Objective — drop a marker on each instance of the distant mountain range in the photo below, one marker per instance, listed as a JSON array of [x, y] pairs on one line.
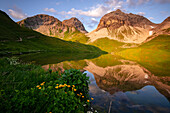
[[116, 25], [15, 39]]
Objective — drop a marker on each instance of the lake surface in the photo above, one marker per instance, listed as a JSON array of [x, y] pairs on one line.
[[117, 85]]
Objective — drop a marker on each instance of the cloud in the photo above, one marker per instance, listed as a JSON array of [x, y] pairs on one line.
[[97, 11], [134, 3], [141, 13], [151, 18], [17, 13], [52, 10], [57, 3], [115, 4], [92, 23], [140, 2], [101, 9], [94, 20], [162, 1]]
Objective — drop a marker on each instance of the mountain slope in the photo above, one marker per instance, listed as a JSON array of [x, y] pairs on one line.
[[51, 26], [108, 45], [153, 54], [74, 22], [163, 26], [15, 39], [161, 29], [128, 28]]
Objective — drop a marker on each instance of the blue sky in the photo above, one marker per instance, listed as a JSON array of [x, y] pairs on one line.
[[89, 12]]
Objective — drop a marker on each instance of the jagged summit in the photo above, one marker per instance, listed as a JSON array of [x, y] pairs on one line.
[[52, 26], [76, 23], [118, 18], [118, 10], [164, 25], [123, 27], [36, 21]]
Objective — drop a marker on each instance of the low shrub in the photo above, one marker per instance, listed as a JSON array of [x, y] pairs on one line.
[[63, 93]]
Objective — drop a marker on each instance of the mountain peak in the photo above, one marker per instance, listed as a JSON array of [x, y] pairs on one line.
[[118, 10], [73, 18], [123, 27], [167, 19], [75, 23], [118, 18]]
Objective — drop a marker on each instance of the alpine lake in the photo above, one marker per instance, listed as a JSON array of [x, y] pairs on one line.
[[117, 84]]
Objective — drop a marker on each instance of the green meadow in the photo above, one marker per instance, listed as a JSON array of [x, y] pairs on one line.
[[16, 40], [153, 55]]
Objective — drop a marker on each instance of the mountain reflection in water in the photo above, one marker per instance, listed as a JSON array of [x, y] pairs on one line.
[[120, 85], [129, 100]]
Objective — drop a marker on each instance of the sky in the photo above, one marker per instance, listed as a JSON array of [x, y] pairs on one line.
[[89, 12]]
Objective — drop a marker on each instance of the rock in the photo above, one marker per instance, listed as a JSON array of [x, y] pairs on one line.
[[51, 26], [74, 22], [123, 27]]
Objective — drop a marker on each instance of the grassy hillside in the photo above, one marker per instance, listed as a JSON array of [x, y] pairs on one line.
[[76, 36], [15, 39], [107, 44], [153, 55]]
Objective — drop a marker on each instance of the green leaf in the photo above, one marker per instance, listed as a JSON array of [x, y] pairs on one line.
[[79, 81]]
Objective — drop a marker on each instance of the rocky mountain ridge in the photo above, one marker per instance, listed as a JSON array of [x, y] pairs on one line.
[[116, 19], [116, 25], [51, 26], [127, 28], [74, 22]]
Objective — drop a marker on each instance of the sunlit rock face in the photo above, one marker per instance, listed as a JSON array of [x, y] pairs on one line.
[[162, 29], [128, 28], [51, 26], [116, 19], [74, 22]]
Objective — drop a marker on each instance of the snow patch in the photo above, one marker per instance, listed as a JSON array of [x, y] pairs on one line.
[[146, 76], [152, 27], [150, 33]]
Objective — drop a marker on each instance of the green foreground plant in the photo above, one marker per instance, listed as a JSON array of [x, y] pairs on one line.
[[28, 88]]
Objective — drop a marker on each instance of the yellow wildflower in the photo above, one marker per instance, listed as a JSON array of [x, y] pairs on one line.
[[56, 87], [92, 98], [42, 84], [65, 92], [78, 95], [75, 89], [82, 96], [73, 85], [57, 84], [68, 86], [39, 88], [88, 100]]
